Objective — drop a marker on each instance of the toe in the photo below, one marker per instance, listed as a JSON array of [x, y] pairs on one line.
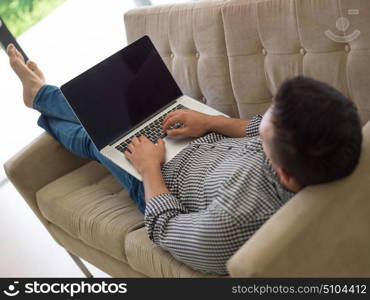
[[32, 65], [26, 74], [11, 50], [19, 55], [34, 68], [14, 53], [14, 59], [20, 68]]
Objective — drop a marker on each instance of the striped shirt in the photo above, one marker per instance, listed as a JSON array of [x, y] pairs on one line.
[[221, 191]]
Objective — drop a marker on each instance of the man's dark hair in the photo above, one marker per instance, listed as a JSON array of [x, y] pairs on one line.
[[316, 131]]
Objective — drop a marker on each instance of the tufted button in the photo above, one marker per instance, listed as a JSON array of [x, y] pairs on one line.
[[229, 148], [347, 48], [302, 51], [197, 54], [264, 52], [172, 55]]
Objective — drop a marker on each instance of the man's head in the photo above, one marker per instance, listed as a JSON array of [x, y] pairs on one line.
[[311, 134]]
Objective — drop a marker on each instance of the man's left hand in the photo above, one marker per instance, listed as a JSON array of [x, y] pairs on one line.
[[144, 154]]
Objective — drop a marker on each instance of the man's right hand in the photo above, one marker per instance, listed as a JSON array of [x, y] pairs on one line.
[[194, 124]]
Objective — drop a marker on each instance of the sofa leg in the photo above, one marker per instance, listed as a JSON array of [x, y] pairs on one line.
[[81, 265], [3, 181]]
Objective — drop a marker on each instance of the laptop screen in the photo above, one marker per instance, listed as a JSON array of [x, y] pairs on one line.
[[123, 90]]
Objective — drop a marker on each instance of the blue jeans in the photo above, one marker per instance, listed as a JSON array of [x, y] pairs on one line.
[[59, 120]]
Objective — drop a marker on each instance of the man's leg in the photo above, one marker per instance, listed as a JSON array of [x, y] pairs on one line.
[[58, 119], [50, 102], [74, 138]]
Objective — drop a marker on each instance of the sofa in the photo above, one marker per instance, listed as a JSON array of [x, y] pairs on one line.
[[231, 55]]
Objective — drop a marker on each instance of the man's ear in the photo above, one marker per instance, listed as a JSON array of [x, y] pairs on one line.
[[284, 176], [287, 180]]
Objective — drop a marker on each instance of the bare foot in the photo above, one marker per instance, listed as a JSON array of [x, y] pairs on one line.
[[30, 75], [33, 66]]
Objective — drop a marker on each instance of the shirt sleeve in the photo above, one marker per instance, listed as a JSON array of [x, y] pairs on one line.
[[209, 138], [252, 128], [204, 240]]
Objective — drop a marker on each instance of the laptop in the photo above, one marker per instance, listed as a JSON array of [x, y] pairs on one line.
[[126, 95]]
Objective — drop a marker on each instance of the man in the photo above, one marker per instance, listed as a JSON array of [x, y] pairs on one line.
[[208, 200]]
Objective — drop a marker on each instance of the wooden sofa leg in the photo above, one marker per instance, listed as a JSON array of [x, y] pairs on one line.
[[81, 265]]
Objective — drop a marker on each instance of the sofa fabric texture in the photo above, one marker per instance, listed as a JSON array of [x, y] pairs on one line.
[[232, 55], [92, 208], [235, 54]]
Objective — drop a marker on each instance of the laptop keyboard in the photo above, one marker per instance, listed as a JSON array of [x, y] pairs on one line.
[[153, 131]]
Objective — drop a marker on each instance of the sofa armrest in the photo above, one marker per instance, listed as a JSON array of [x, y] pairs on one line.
[[38, 164], [321, 232]]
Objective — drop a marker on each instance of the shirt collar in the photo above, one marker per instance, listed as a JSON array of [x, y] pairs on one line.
[[283, 193]]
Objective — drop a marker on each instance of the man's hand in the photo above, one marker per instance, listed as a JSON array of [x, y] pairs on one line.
[[145, 155], [195, 124]]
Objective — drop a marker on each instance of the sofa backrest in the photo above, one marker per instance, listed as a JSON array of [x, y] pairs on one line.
[[234, 55]]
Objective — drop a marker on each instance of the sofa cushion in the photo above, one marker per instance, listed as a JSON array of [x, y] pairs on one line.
[[148, 258], [91, 205]]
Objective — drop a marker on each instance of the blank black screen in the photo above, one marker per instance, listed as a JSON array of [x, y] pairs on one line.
[[121, 91]]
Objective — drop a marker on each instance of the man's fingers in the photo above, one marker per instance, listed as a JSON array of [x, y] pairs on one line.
[[171, 114], [179, 131], [160, 143], [135, 141], [171, 121], [167, 122], [131, 147], [128, 154], [143, 138]]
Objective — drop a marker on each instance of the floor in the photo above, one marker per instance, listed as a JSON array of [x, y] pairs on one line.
[[71, 39]]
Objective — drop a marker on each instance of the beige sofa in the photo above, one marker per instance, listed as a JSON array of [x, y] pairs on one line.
[[233, 55]]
